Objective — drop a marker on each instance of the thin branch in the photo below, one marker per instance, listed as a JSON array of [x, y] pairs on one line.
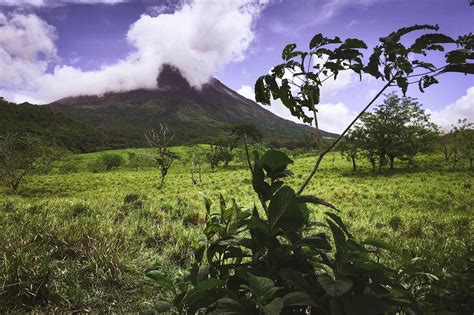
[[330, 147], [247, 154]]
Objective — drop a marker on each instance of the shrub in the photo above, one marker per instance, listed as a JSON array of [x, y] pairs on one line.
[[111, 161]]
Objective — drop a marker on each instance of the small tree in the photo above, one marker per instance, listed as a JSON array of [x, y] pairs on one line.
[[161, 154], [350, 148], [223, 146], [21, 155], [197, 155], [458, 143]]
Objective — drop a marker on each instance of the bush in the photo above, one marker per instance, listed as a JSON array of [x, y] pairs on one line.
[[111, 161]]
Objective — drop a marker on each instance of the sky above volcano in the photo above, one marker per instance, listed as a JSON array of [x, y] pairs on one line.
[[50, 49]]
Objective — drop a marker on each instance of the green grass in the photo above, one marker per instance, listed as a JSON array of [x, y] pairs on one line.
[[83, 241]]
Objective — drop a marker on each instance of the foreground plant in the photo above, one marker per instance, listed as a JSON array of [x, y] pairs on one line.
[[273, 259]]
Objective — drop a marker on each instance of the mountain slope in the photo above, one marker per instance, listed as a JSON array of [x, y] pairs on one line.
[[50, 125], [193, 115]]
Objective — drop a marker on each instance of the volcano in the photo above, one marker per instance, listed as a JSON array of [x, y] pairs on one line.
[[193, 115]]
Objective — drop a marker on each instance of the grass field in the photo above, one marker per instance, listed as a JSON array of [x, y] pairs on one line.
[[83, 241]]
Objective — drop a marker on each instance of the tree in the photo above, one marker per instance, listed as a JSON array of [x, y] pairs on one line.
[[398, 128], [350, 148], [197, 155], [161, 154], [459, 143], [22, 155], [222, 147]]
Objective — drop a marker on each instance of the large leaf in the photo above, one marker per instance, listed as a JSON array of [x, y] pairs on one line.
[[316, 41], [274, 161], [286, 54], [162, 278], [229, 306], [279, 204], [395, 36], [380, 244], [274, 307], [337, 219], [298, 298], [207, 202], [353, 43], [295, 217], [334, 287], [262, 92], [314, 200], [296, 279], [426, 40], [467, 68], [262, 288]]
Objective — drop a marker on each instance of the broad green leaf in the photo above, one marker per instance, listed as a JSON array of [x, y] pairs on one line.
[[208, 284], [229, 306], [295, 279], [337, 219], [317, 242], [334, 287], [295, 218], [274, 161], [314, 200], [395, 36], [467, 68], [459, 56], [279, 204], [424, 41], [353, 43], [274, 307], [262, 92], [298, 298], [285, 55], [263, 288], [379, 244], [207, 202], [316, 41]]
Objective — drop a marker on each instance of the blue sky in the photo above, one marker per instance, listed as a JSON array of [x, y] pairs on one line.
[[53, 49]]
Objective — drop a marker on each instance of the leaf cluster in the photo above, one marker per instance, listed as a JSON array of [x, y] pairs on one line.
[[273, 260]]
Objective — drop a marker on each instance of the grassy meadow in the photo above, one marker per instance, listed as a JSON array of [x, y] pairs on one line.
[[82, 241]]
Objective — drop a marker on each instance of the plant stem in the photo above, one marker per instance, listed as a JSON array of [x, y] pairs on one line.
[[330, 147]]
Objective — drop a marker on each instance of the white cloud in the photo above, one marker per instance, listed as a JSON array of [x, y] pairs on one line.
[[26, 44], [334, 117], [460, 109], [199, 39]]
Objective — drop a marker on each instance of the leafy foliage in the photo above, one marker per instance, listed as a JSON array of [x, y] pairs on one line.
[[272, 262], [21, 155], [398, 128]]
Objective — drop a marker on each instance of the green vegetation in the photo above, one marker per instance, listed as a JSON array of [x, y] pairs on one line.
[[83, 241]]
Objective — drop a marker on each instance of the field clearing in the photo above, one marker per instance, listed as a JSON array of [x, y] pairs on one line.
[[83, 241]]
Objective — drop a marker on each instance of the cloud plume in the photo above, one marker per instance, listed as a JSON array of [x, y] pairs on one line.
[[199, 39]]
